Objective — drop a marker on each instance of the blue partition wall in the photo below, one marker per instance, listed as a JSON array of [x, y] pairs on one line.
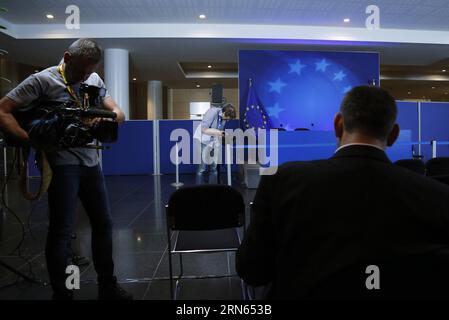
[[434, 126], [166, 127], [133, 152]]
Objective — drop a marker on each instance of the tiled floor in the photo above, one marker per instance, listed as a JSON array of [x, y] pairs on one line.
[[140, 245]]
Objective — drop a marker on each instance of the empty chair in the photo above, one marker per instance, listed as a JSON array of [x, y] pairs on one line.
[[302, 129], [203, 219], [415, 165], [437, 167]]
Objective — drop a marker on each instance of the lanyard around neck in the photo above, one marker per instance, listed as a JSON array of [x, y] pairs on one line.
[[61, 69]]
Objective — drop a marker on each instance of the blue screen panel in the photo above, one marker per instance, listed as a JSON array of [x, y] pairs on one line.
[[434, 120], [133, 152], [302, 89]]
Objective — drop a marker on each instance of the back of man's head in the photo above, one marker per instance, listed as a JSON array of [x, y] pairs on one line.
[[86, 48], [369, 110], [229, 111]]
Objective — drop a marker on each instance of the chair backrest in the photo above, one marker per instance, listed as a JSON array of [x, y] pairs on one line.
[[437, 166], [422, 276], [205, 207], [415, 165], [302, 129]]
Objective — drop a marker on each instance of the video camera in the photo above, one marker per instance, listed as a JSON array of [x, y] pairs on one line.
[[53, 126]]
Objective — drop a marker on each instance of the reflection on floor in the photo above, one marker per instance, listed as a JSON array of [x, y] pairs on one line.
[[140, 245]]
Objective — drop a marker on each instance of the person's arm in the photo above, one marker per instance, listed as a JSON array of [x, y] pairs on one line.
[[208, 119], [109, 104], [213, 132], [27, 91], [7, 121], [255, 259]]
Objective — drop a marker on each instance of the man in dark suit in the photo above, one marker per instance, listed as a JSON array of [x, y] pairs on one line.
[[314, 219]]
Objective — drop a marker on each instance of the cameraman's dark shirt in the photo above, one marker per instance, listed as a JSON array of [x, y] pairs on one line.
[[48, 86]]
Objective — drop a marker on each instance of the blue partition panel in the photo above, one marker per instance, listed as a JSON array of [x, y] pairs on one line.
[[314, 145], [305, 145], [166, 127], [408, 117], [434, 122], [33, 171], [402, 148], [133, 152]]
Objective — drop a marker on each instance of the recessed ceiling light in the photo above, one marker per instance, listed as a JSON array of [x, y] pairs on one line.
[[209, 66], [50, 16], [445, 93], [134, 79], [36, 71], [346, 20], [198, 86], [202, 16], [444, 70], [409, 92], [433, 87]]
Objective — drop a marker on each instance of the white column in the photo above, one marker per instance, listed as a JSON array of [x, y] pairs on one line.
[[170, 104], [116, 77], [154, 100]]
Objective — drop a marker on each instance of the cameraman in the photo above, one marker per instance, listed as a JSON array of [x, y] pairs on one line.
[[212, 133], [76, 171]]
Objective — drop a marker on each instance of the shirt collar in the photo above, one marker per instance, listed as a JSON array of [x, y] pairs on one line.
[[358, 144]]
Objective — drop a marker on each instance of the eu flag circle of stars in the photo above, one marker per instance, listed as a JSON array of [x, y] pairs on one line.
[[297, 68], [255, 107]]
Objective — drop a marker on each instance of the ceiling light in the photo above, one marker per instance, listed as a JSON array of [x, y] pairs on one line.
[[445, 93], [198, 86], [209, 66], [134, 79], [202, 16], [50, 16], [409, 92], [433, 87], [444, 70], [346, 20]]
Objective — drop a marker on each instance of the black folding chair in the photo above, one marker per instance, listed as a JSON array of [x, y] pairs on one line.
[[437, 167], [415, 165], [203, 219]]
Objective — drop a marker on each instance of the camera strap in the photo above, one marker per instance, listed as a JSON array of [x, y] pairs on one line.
[[44, 168]]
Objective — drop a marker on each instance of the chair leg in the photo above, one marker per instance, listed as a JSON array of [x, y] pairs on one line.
[[181, 273], [170, 267], [244, 290]]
